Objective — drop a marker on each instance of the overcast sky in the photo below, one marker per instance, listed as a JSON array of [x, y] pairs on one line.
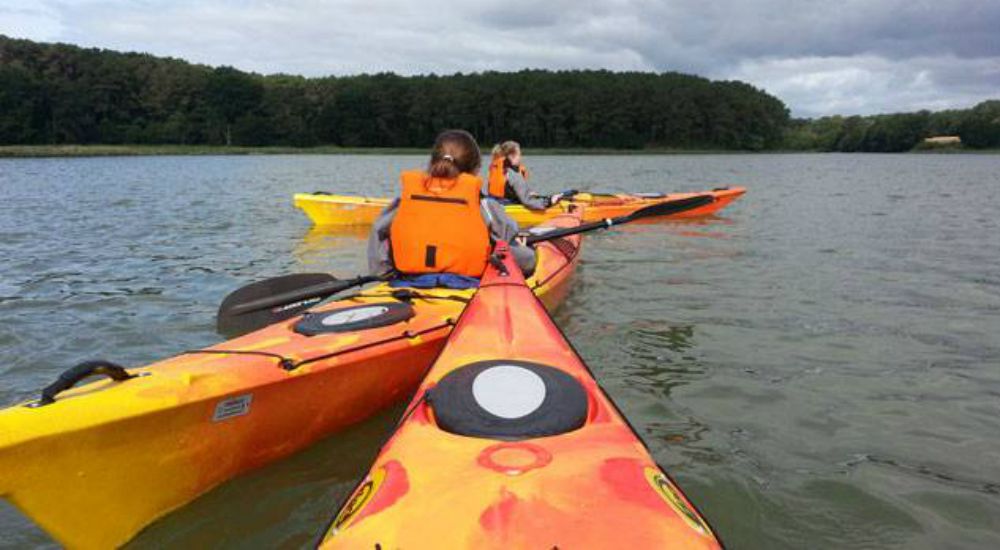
[[819, 57]]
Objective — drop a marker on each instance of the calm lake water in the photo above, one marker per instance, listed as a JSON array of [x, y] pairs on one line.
[[819, 366]]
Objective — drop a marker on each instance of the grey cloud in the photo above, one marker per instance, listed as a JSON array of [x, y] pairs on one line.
[[518, 16], [714, 34]]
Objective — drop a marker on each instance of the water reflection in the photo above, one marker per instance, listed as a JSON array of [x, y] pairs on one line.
[[336, 247]]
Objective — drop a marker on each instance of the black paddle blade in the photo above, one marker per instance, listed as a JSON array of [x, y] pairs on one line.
[[671, 207], [230, 322]]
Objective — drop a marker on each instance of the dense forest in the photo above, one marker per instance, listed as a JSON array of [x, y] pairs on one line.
[[62, 94], [53, 93]]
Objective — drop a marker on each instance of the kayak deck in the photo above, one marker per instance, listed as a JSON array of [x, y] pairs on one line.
[[502, 459], [107, 458], [346, 210]]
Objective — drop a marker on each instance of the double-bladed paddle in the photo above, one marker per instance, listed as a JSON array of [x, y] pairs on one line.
[[260, 304], [659, 209]]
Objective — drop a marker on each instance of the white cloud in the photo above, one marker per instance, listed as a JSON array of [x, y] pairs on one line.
[[29, 19], [869, 84]]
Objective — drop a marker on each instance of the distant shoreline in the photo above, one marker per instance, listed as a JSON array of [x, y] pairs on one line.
[[49, 151]]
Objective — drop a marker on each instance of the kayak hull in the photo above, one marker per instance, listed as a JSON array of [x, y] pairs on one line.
[[108, 458], [590, 484], [346, 210]]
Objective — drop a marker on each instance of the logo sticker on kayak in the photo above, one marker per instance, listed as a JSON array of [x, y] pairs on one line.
[[232, 407], [358, 501], [666, 489]]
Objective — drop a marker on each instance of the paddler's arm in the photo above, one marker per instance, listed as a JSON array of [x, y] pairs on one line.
[[524, 196], [504, 228], [379, 256]]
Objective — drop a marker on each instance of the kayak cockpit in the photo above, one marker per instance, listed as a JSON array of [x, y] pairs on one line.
[[508, 400]]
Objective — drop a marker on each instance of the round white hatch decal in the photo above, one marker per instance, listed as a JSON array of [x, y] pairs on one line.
[[508, 391], [353, 315]]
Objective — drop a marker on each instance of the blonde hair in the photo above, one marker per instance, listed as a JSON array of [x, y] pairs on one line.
[[506, 149]]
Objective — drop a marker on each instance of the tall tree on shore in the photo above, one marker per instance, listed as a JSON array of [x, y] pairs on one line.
[[981, 127], [233, 96]]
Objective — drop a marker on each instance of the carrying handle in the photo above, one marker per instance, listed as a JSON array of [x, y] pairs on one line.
[[73, 375]]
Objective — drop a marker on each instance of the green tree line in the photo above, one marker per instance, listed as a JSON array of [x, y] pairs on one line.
[[62, 94], [978, 128]]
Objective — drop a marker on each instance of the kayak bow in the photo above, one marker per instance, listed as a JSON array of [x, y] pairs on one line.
[[97, 463], [510, 443]]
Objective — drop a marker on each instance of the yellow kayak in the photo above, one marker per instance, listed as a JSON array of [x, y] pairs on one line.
[[346, 210], [94, 464]]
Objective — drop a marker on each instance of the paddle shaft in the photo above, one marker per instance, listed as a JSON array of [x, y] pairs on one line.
[[661, 209], [582, 228]]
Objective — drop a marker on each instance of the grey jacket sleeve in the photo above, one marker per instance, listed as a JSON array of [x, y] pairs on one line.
[[524, 195], [504, 228], [379, 255]]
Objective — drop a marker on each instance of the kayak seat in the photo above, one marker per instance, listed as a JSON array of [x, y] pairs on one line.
[[347, 319], [508, 400]]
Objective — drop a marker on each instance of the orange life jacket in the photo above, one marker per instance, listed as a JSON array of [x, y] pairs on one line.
[[497, 182], [439, 227]]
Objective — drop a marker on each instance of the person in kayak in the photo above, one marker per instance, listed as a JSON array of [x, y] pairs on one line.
[[508, 179], [440, 223]]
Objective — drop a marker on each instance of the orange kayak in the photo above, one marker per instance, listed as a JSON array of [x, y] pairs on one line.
[[510, 443], [105, 459], [343, 210]]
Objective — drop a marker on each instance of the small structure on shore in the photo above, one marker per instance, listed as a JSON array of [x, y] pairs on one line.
[[943, 140]]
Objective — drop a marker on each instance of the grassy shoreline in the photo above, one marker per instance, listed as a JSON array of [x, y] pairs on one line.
[[43, 151]]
